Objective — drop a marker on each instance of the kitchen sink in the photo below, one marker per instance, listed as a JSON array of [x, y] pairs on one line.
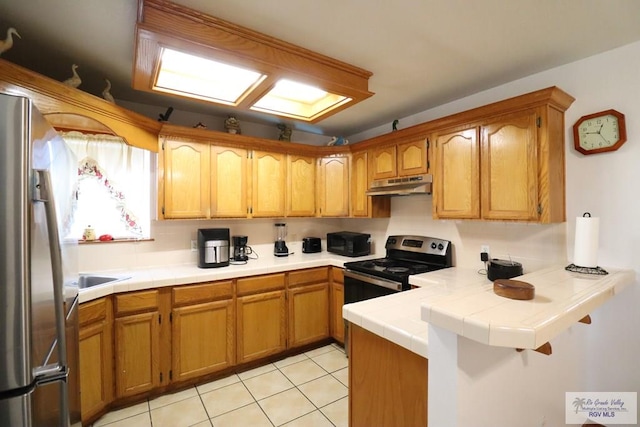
[[88, 280]]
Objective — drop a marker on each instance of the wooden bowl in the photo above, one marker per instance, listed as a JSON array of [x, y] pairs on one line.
[[514, 289]]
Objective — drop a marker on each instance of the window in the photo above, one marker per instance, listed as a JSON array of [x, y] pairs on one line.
[[114, 187]]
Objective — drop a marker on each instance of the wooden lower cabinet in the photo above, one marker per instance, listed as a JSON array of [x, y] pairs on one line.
[[261, 325], [387, 383], [203, 339], [308, 306], [337, 301], [96, 357]]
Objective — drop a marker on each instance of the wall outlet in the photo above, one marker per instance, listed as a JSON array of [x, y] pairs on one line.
[[484, 248], [194, 246]]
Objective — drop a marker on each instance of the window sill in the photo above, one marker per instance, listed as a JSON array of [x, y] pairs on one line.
[[124, 240]]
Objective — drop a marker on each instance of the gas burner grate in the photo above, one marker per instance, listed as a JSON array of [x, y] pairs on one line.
[[586, 270]]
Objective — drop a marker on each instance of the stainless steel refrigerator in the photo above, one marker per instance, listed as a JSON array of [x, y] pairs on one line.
[[38, 271]]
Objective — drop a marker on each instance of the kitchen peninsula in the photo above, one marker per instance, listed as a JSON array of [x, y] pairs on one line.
[[475, 376]]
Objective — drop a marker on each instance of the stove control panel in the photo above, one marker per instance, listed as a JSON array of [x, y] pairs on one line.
[[421, 244]]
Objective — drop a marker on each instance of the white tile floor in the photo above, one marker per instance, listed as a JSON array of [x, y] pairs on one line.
[[308, 390]]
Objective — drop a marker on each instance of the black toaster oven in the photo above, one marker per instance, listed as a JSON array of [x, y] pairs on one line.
[[348, 243]]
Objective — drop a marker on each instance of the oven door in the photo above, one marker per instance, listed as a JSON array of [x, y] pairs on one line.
[[361, 286]]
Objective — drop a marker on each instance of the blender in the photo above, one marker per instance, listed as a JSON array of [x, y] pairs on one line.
[[280, 248]]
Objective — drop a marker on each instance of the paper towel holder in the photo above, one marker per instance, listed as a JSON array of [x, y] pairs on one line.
[[586, 270]]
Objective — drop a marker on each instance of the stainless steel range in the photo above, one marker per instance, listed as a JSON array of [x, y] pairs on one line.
[[405, 255]]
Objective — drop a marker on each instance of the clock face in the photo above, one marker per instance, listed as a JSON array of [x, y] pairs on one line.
[[599, 132]]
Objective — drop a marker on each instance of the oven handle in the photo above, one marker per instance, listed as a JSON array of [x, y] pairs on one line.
[[378, 281]]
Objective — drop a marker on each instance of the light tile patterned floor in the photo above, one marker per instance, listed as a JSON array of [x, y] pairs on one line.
[[308, 389]]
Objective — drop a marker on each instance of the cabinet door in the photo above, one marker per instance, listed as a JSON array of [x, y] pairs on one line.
[[203, 339], [383, 163], [301, 186], [186, 180], [334, 186], [412, 157], [261, 325], [137, 353], [337, 301], [456, 184], [308, 314], [229, 177], [359, 185], [96, 367], [509, 168], [268, 186]]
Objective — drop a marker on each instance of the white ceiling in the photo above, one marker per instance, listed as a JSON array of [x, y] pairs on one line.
[[422, 53]]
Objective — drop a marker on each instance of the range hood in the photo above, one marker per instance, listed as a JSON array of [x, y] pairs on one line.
[[403, 186]]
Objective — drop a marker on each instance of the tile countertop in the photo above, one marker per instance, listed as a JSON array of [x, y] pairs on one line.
[[182, 274], [462, 301]]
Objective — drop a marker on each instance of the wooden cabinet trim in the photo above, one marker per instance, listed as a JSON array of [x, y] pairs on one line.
[[137, 301], [201, 292], [257, 284], [92, 311], [308, 276]]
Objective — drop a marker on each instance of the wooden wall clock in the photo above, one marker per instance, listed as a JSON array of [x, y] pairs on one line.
[[599, 132]]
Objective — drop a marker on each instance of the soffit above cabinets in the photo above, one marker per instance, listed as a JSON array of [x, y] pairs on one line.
[[163, 26]]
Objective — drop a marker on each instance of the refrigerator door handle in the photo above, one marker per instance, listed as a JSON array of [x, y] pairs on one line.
[[43, 192]]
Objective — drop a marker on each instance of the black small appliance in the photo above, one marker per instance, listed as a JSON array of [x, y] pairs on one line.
[[240, 251], [503, 269], [311, 245], [213, 247], [348, 243]]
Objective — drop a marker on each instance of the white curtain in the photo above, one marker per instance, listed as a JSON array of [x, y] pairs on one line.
[[114, 181]]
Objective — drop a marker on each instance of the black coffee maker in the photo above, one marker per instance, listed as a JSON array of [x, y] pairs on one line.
[[240, 252]]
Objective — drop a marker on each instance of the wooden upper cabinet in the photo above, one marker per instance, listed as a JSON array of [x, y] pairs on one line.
[[186, 180], [360, 202], [301, 186], [509, 167], [334, 186], [268, 184], [229, 179], [456, 188], [383, 162], [412, 157]]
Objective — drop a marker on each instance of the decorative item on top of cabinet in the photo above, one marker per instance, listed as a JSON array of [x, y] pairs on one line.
[[333, 186], [74, 80], [232, 125], [285, 132], [7, 43], [503, 161], [165, 117], [106, 92], [599, 132]]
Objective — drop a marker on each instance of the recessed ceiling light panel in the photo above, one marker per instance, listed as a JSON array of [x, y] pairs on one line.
[[197, 77]]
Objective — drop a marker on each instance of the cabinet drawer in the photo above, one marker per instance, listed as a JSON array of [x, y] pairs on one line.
[[92, 311], [337, 275], [267, 282], [202, 292], [311, 275], [138, 301]]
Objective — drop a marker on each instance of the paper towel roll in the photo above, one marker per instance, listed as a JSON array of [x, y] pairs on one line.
[[585, 252]]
